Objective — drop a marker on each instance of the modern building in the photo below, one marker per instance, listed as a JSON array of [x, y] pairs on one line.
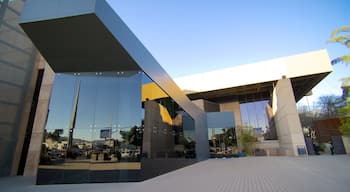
[[21, 73], [89, 103]]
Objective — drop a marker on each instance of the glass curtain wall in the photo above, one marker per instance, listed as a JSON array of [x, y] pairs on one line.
[[168, 136], [168, 129], [257, 116], [101, 124], [222, 142], [221, 134], [93, 131]]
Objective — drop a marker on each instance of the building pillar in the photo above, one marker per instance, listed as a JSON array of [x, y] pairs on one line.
[[288, 126], [33, 157], [207, 106], [23, 125], [17, 78]]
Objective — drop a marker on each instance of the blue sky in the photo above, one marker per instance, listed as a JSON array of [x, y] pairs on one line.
[[194, 36]]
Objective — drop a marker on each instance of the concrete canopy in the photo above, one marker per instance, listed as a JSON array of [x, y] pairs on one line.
[[259, 91], [254, 82], [79, 43]]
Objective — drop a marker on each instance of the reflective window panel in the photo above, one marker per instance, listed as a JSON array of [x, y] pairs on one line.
[[113, 127], [93, 131], [257, 116]]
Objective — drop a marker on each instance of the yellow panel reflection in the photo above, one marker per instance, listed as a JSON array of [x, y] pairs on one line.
[[151, 91]]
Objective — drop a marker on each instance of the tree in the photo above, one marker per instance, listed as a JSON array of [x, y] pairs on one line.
[[55, 135], [306, 116], [133, 136], [344, 114], [229, 136], [338, 36], [225, 139], [248, 140], [328, 105]]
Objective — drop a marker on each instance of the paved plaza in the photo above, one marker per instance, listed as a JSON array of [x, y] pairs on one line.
[[249, 174]]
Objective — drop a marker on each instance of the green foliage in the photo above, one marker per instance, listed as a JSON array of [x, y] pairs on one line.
[[133, 136], [338, 36], [342, 36], [344, 114], [225, 139], [228, 136], [345, 127], [248, 140], [55, 135], [343, 39]]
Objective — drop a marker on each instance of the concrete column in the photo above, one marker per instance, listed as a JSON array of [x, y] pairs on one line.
[[207, 106], [287, 120], [33, 156], [235, 108], [17, 79], [346, 142], [24, 116]]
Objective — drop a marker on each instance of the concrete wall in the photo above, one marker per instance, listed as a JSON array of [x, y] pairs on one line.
[[23, 133], [286, 118], [207, 106], [17, 82], [41, 113], [346, 142]]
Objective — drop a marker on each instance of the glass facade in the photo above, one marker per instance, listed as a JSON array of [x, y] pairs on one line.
[[221, 134], [257, 116], [102, 124], [222, 142]]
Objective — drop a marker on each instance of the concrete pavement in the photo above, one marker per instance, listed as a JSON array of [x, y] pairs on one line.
[[249, 174]]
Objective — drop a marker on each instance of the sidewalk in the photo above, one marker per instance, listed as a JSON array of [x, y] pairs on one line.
[[250, 174]]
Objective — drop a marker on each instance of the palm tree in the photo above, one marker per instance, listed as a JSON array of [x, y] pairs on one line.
[[338, 36]]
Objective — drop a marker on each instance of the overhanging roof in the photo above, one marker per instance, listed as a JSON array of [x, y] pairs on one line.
[[254, 82], [87, 35], [258, 91], [70, 44]]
